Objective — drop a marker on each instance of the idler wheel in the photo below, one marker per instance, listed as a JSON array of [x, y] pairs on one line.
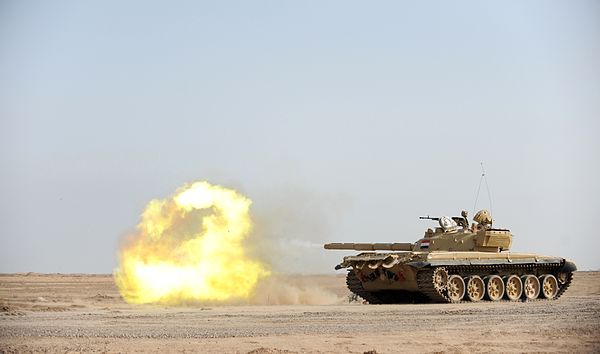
[[531, 287], [562, 278], [549, 286], [456, 288], [494, 287], [475, 288], [440, 278], [514, 287]]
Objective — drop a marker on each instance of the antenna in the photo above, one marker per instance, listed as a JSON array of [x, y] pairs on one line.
[[482, 179]]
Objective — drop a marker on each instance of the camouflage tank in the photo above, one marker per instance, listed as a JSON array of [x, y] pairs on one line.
[[452, 263]]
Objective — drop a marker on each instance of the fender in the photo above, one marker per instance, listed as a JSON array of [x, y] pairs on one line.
[[568, 267]]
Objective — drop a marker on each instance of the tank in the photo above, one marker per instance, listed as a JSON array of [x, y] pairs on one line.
[[453, 262]]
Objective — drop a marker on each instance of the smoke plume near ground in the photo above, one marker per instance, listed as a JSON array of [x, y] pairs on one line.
[[291, 224], [287, 289]]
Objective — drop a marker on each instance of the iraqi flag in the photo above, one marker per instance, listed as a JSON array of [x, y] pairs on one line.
[[424, 244]]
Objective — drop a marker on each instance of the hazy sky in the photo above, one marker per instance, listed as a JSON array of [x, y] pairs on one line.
[[341, 120]]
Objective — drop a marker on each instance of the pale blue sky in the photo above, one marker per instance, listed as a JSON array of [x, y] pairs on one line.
[[342, 121]]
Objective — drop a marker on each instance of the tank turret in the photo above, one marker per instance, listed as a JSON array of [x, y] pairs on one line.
[[454, 234]]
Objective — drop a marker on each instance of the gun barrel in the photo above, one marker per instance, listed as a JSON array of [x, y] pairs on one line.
[[370, 246], [428, 218]]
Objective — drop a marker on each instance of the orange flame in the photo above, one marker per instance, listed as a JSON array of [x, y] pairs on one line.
[[189, 247]]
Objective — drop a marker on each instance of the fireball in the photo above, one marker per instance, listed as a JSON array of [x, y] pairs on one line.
[[190, 248]]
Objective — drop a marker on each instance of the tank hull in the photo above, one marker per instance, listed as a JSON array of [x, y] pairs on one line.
[[414, 276]]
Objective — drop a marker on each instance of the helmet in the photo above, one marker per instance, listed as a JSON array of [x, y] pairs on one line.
[[483, 217]]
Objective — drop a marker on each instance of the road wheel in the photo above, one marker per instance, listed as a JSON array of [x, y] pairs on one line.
[[456, 288], [531, 287], [475, 288], [514, 287], [494, 287], [549, 286]]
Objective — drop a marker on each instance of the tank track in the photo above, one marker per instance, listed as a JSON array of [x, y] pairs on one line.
[[382, 297], [429, 293], [427, 287], [355, 286], [564, 287]]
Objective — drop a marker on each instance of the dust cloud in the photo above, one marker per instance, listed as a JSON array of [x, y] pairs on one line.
[[283, 289]]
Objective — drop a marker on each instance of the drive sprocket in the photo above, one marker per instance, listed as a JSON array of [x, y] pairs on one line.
[[440, 279]]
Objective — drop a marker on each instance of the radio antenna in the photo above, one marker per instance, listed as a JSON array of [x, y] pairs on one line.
[[483, 179]]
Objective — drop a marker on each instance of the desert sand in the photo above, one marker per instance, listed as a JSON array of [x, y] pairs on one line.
[[85, 313]]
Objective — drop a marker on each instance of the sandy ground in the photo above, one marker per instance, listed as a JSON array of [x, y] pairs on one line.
[[84, 313]]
